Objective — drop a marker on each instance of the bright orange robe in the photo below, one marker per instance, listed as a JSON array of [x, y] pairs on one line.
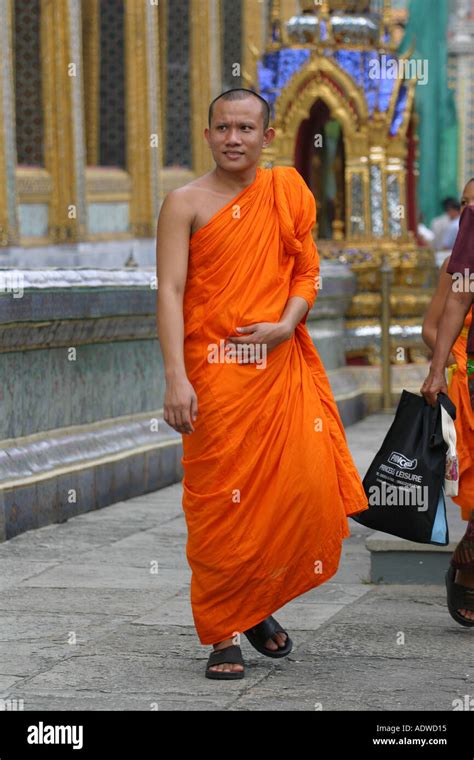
[[268, 476], [459, 394]]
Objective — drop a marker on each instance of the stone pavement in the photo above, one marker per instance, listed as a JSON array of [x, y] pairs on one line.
[[95, 615]]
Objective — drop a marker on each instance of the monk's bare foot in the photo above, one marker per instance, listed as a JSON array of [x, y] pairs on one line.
[[274, 643], [466, 578]]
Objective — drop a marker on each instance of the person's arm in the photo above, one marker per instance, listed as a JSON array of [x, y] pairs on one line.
[[172, 251], [435, 310], [456, 307], [304, 284], [305, 277], [295, 311]]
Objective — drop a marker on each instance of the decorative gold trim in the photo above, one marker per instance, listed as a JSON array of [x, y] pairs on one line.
[[34, 184], [105, 184], [28, 241], [98, 236]]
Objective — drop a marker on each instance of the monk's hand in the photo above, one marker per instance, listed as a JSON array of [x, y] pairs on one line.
[[180, 405], [269, 334], [435, 383]]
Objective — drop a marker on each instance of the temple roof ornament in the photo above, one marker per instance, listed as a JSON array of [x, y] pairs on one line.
[[360, 24], [359, 45]]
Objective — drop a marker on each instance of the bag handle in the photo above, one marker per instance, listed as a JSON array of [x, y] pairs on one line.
[[447, 404]]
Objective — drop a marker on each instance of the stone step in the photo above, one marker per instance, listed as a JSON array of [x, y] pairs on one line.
[[395, 560]]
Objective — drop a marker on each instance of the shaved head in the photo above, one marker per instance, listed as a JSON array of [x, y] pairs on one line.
[[242, 94]]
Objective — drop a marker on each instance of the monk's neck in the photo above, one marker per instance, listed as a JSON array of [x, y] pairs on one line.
[[235, 181]]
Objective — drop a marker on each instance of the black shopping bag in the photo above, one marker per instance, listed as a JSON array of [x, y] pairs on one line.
[[404, 483]]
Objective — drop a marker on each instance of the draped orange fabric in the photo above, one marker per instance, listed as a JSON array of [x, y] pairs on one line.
[[459, 394], [268, 477]]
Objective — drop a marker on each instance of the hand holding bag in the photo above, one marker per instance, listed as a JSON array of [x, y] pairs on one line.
[[404, 483]]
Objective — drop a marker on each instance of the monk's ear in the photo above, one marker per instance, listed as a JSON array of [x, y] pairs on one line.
[[268, 136]]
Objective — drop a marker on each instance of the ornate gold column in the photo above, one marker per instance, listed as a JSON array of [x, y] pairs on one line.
[[61, 46], [143, 114], [163, 53], [8, 207], [91, 47], [206, 74], [253, 39]]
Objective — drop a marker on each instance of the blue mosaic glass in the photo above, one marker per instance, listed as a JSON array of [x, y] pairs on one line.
[[276, 69]]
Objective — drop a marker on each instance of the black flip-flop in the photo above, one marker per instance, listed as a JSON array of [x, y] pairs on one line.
[[232, 654], [459, 598], [260, 633]]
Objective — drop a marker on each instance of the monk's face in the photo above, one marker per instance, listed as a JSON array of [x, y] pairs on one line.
[[236, 136], [468, 195]]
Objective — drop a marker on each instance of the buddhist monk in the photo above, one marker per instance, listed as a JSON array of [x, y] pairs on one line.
[[268, 477], [448, 330]]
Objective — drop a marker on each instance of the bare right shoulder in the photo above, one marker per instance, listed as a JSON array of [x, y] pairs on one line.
[[178, 206], [181, 205]]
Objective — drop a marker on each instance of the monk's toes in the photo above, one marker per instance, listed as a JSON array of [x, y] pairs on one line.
[[276, 643], [271, 644], [227, 667]]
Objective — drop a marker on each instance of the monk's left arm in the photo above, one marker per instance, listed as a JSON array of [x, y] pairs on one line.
[[296, 309], [304, 284]]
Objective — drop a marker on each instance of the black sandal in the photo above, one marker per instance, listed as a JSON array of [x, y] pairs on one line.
[[459, 598], [265, 630], [230, 654]]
